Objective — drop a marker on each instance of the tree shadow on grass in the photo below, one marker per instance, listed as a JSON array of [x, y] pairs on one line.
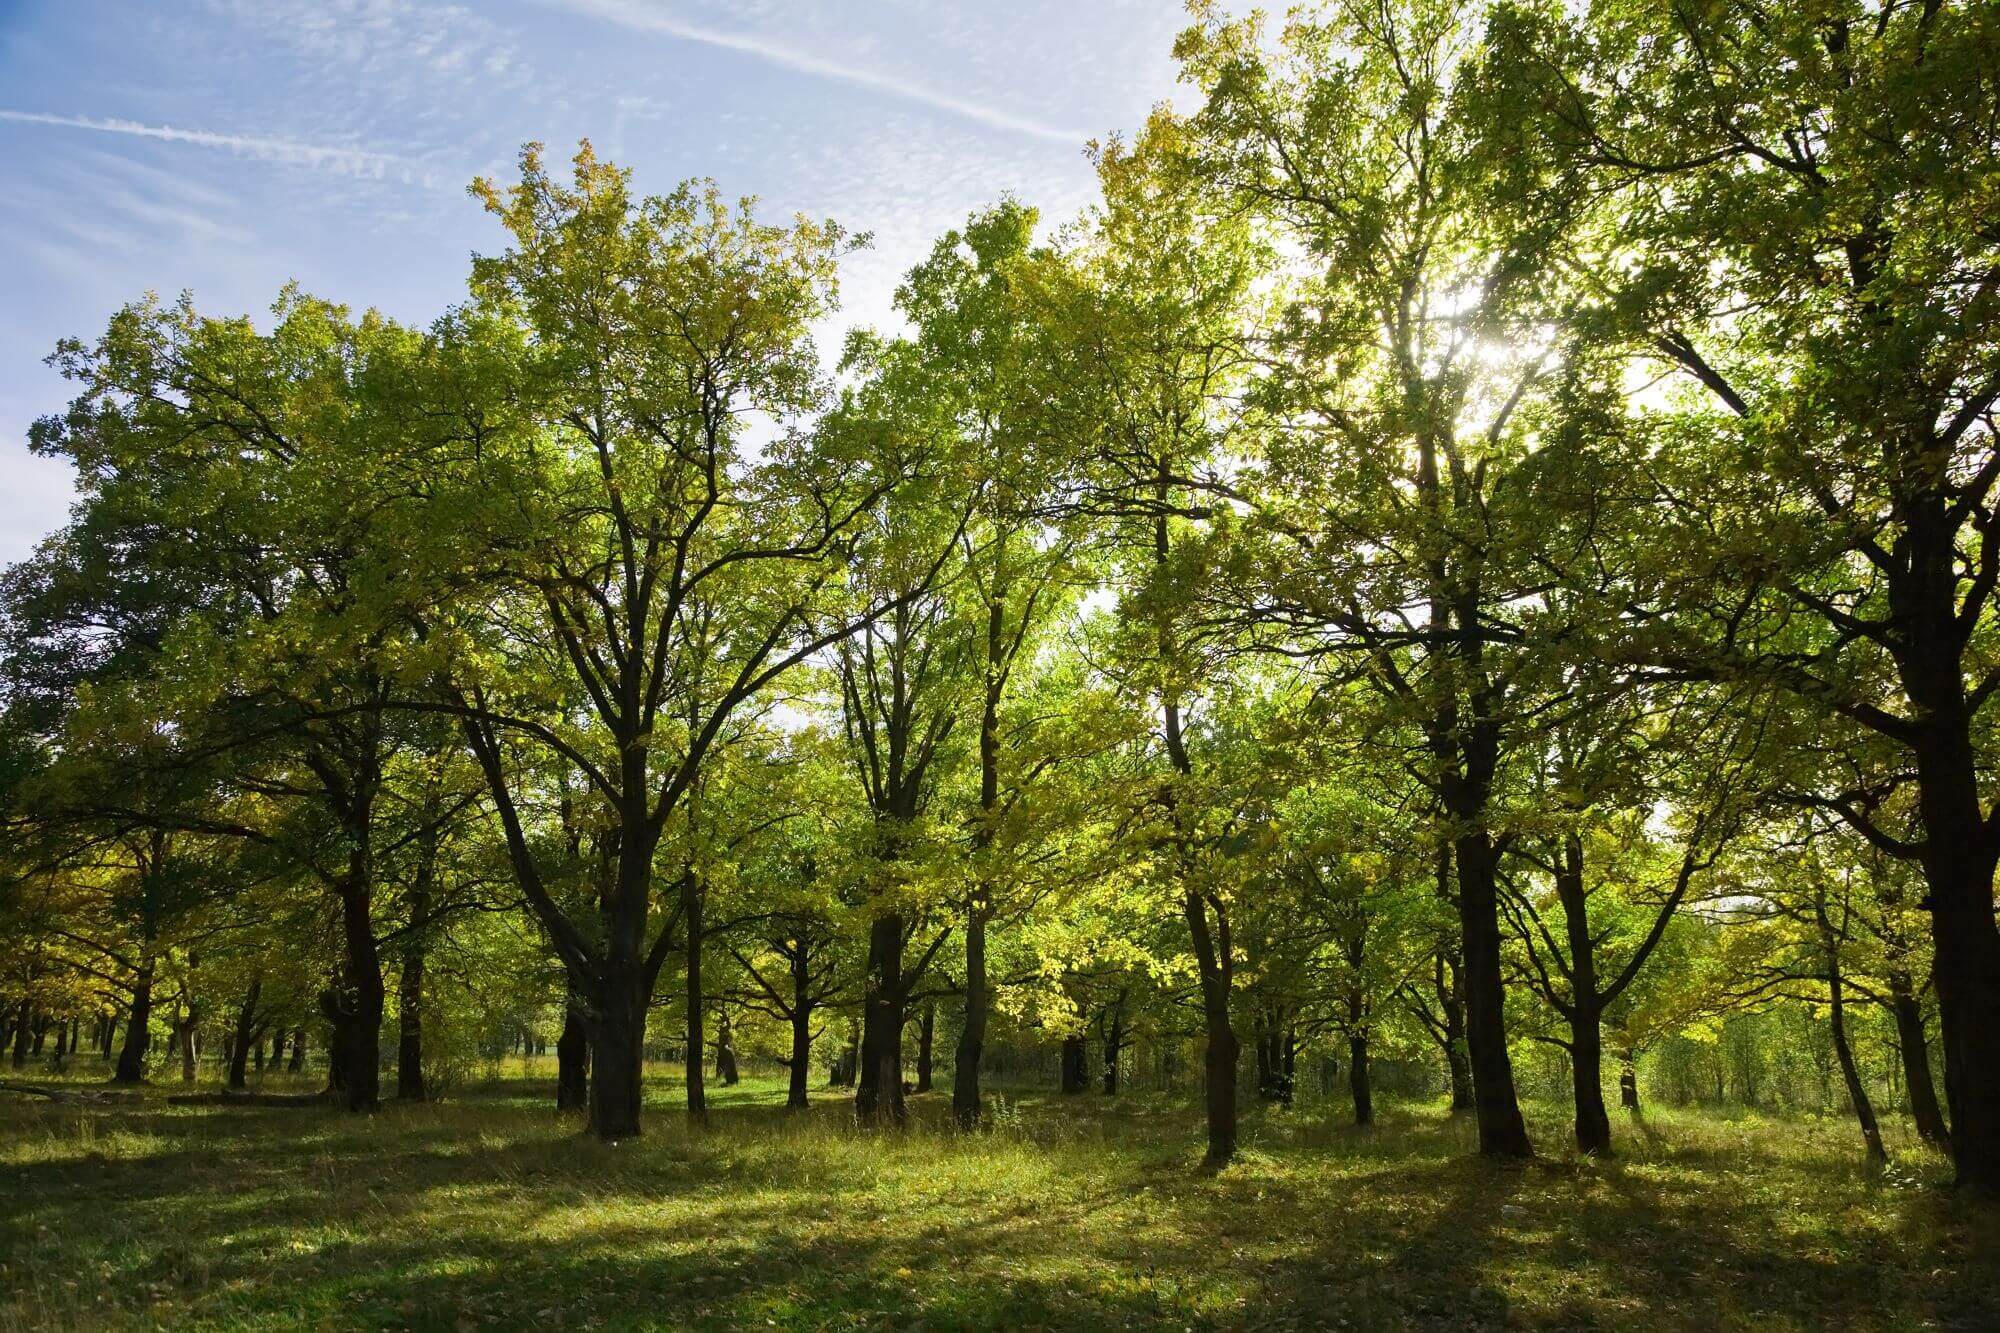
[[1082, 1218]]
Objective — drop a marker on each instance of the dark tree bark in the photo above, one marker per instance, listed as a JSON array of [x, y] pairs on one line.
[[245, 1034], [1358, 1083], [1850, 1072], [965, 1095], [1075, 1075], [354, 1007], [1114, 1045], [138, 1025], [22, 1024], [1502, 1132], [617, 1057], [879, 1096], [1215, 967], [1586, 1043], [799, 1066], [1915, 1054], [1442, 1012], [410, 1085]]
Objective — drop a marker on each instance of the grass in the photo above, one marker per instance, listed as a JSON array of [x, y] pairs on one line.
[[1074, 1213]]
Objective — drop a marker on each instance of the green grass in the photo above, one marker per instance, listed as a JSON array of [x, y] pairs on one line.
[[1073, 1213]]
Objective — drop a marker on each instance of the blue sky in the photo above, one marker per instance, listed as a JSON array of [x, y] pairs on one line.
[[226, 147]]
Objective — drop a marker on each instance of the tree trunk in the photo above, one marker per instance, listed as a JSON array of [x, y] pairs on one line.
[[800, 1066], [1850, 1073], [410, 985], [1114, 1042], [138, 1028], [1959, 844], [1502, 1133], [847, 1066], [725, 1051], [1586, 1065], [1357, 1079], [245, 1034], [617, 1059], [22, 1024], [1215, 968], [695, 1057], [1916, 1061], [1075, 1065], [799, 958], [1265, 1045], [965, 1100], [573, 1057], [879, 1098], [1586, 1029], [297, 1064], [356, 1008], [184, 1040]]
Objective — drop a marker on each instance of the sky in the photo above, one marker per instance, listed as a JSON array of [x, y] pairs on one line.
[[227, 147]]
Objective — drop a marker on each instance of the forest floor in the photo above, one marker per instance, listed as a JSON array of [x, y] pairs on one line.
[[1084, 1212]]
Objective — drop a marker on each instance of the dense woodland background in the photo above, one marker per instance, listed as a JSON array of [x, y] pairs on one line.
[[1469, 574]]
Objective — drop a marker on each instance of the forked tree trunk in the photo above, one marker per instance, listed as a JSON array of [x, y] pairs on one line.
[[138, 1027], [245, 1034]]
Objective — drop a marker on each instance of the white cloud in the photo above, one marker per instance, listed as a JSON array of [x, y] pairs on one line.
[[644, 18], [324, 157]]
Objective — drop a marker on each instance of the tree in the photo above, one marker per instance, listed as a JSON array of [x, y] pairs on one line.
[[620, 543], [1395, 508], [1786, 228]]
